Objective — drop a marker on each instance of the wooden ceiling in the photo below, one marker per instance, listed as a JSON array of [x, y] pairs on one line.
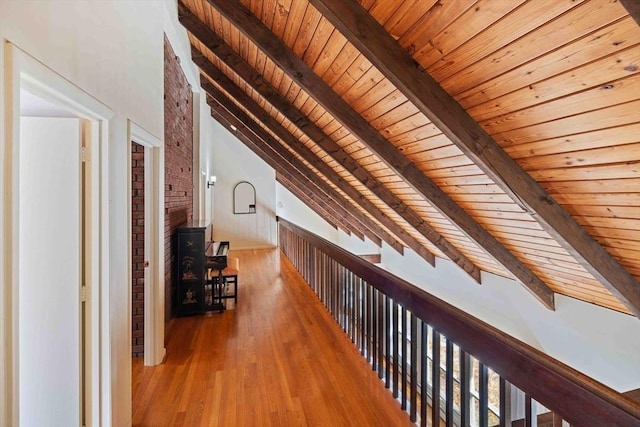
[[503, 135]]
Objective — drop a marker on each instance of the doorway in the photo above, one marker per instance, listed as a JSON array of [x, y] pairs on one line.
[[138, 257], [148, 220], [57, 316]]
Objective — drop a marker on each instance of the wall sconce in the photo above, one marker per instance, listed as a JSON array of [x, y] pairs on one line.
[[212, 181]]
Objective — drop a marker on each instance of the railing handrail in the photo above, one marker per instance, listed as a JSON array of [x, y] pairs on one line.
[[578, 398]]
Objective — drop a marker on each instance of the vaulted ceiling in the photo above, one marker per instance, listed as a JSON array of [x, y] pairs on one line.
[[503, 135]]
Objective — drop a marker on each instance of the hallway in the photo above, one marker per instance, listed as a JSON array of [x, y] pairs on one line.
[[277, 359]]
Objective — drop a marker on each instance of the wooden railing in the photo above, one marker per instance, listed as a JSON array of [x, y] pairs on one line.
[[443, 365]]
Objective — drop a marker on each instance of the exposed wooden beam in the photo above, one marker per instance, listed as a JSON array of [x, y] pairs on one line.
[[372, 258], [633, 7], [310, 157], [323, 94], [292, 167], [386, 54], [224, 109], [297, 173], [244, 70]]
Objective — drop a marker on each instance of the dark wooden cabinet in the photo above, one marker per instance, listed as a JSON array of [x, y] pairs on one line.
[[191, 267], [196, 253]]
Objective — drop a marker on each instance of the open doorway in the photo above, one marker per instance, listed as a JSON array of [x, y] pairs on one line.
[[138, 260], [147, 250], [56, 322]]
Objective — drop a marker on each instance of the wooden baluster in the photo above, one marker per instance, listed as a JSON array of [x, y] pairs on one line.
[[403, 351], [380, 333], [319, 270], [312, 271], [449, 383], [528, 413], [349, 305], [435, 380], [387, 342], [484, 395], [424, 366], [465, 386], [373, 351], [355, 284], [345, 298], [325, 282], [395, 349], [364, 317], [358, 313], [413, 395], [503, 403], [335, 283], [341, 286]]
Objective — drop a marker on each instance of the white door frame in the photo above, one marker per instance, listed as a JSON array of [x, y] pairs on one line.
[[24, 72], [154, 350]]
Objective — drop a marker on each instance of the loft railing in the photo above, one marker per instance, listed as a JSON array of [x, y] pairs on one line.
[[443, 365]]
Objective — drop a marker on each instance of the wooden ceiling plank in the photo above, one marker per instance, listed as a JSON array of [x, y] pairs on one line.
[[464, 30], [601, 84], [522, 20], [607, 40], [602, 199], [623, 135], [316, 87], [242, 121], [385, 53], [590, 157], [329, 146], [578, 22], [433, 22], [295, 20], [305, 36], [616, 115], [406, 15], [605, 172]]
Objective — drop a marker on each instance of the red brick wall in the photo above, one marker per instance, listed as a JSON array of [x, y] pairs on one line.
[[178, 139], [137, 249]]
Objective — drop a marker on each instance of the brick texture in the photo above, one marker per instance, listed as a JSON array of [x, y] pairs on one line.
[[137, 249], [178, 138]]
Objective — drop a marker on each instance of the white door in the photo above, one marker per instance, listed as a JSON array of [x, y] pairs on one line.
[[50, 260]]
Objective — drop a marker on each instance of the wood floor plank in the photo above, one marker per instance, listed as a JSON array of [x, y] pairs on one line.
[[277, 358]]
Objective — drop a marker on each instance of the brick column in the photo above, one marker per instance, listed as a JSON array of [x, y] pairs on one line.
[[178, 139]]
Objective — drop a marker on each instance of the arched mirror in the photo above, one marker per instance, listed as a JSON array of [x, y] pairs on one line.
[[244, 198]]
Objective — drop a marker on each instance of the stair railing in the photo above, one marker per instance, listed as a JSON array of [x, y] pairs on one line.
[[445, 366]]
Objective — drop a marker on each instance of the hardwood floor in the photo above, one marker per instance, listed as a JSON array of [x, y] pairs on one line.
[[275, 359]]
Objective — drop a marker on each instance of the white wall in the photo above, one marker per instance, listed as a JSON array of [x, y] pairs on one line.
[[207, 143], [109, 49], [232, 163], [114, 52]]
